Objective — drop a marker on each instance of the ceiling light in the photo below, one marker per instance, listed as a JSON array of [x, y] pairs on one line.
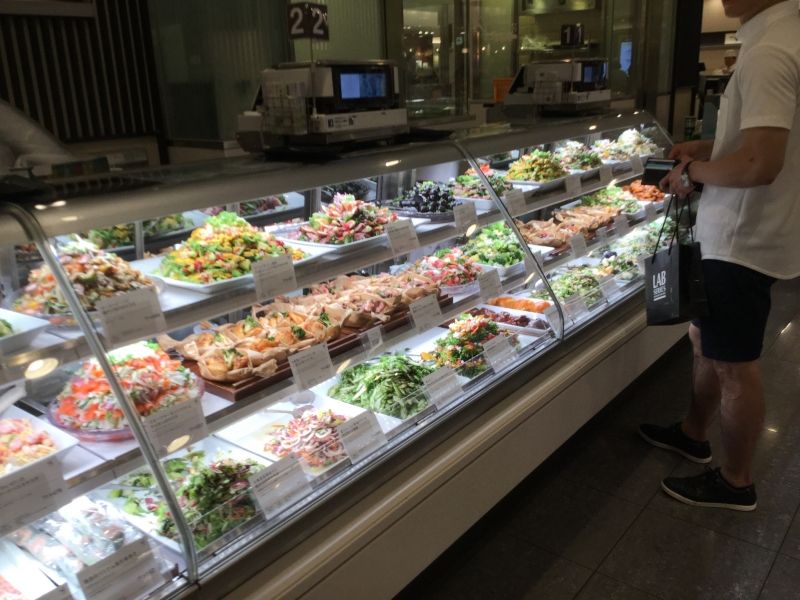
[[59, 203], [392, 163]]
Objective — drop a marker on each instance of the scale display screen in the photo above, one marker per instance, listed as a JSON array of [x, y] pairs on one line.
[[355, 86]]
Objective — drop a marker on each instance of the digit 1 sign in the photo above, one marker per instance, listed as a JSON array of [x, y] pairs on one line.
[[308, 20]]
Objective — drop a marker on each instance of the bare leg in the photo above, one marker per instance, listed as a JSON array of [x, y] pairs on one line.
[[741, 416], [705, 392]]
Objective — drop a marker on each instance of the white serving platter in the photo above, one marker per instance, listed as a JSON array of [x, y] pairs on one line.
[[25, 329], [63, 441], [285, 234]]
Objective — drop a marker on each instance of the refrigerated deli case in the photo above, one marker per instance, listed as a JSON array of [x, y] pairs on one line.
[[317, 401]]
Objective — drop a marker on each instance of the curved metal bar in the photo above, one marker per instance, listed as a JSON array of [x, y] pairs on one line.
[[37, 235], [473, 162]]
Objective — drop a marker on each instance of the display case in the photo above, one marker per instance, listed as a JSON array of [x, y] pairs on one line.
[[171, 406]]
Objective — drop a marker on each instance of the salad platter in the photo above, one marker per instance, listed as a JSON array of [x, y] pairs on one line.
[[496, 247], [18, 330], [291, 235], [305, 431], [518, 321], [210, 481], [539, 169], [427, 200], [25, 440]]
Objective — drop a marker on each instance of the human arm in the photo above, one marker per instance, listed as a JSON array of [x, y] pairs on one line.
[[694, 150], [758, 161], [768, 83]]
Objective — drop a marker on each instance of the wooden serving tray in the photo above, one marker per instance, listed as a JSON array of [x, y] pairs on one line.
[[349, 339]]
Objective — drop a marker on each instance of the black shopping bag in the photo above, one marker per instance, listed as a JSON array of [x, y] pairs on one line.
[[674, 281]]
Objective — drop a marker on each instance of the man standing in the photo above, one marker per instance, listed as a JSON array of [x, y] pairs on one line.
[[748, 225]]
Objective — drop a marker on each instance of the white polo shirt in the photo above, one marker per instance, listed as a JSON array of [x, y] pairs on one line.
[[759, 227]]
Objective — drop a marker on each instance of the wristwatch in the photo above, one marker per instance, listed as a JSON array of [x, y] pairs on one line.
[[686, 180]]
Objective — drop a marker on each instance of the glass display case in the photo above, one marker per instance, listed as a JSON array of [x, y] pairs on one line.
[[264, 335]]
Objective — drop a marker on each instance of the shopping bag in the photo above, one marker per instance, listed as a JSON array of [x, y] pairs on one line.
[[674, 285]]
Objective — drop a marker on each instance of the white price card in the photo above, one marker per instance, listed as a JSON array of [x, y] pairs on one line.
[[499, 351], [621, 225], [372, 338], [609, 287], [576, 308], [274, 275], [30, 493], [531, 271], [131, 316], [442, 387], [122, 575], [641, 260], [279, 485], [402, 236], [490, 285], [465, 215], [573, 185], [361, 436], [311, 366], [602, 235], [60, 593], [578, 244], [606, 174], [426, 312], [650, 212], [515, 202], [552, 316], [173, 427], [636, 164]]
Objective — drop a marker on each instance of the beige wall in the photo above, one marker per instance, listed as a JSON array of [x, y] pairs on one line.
[[714, 18]]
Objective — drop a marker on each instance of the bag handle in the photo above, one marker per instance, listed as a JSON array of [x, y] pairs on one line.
[[678, 218]]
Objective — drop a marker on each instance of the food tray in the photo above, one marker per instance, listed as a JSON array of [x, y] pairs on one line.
[[504, 272], [483, 203], [286, 233], [23, 572], [466, 289], [214, 448], [540, 186], [445, 217], [149, 266], [63, 441], [253, 432], [530, 331], [25, 327]]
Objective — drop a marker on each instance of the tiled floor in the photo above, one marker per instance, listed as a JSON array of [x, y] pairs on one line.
[[592, 523]]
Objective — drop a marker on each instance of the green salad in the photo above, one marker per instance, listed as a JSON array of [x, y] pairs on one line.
[[391, 385], [576, 281], [495, 245], [213, 496], [613, 196], [5, 328], [123, 235]]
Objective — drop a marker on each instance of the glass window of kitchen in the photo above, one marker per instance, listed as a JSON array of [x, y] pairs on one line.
[[493, 44], [557, 29], [434, 55], [356, 33]]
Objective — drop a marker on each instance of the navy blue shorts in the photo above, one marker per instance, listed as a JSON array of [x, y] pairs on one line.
[[738, 308]]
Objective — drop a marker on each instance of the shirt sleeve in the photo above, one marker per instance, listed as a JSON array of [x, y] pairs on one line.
[[768, 84]]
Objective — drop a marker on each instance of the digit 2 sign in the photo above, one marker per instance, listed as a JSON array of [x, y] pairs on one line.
[[308, 20]]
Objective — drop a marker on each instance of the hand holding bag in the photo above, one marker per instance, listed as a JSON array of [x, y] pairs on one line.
[[674, 278]]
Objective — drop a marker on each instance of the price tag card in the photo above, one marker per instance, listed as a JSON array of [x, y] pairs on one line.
[[576, 308], [442, 386], [573, 185], [489, 282], [636, 164], [60, 593], [131, 316], [621, 225], [659, 153], [602, 235], [372, 339], [361, 436], [499, 352], [650, 212], [552, 316], [578, 244], [515, 202], [120, 575], [279, 485], [609, 287], [171, 428], [30, 493], [606, 174], [311, 366], [274, 275], [641, 260], [426, 312], [465, 215], [402, 236]]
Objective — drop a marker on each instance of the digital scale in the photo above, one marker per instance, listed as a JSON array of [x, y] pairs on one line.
[[324, 103]]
